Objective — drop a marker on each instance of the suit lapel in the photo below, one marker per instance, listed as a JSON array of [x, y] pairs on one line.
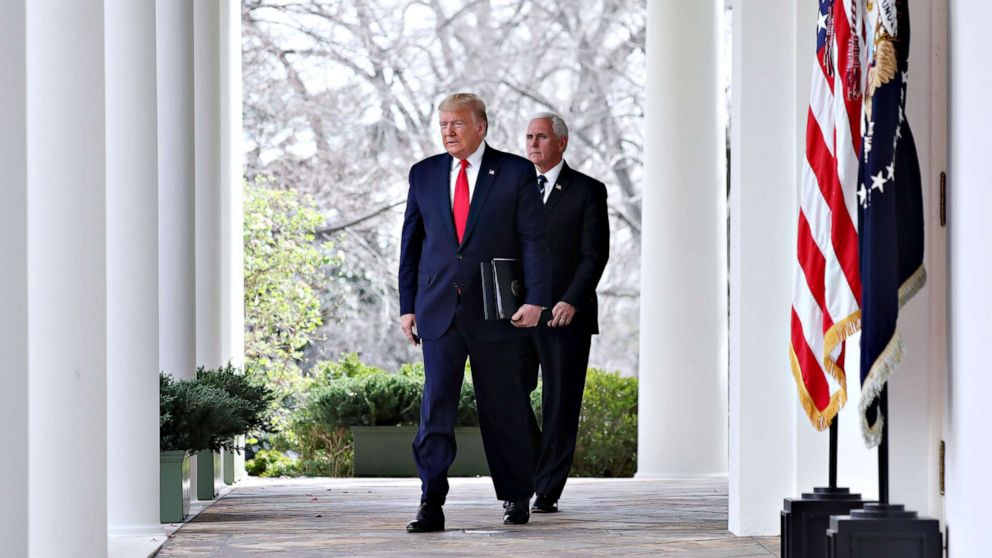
[[558, 188], [442, 195], [483, 185]]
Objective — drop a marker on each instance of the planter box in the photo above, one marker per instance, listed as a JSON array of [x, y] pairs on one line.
[[385, 451], [234, 462], [229, 467], [173, 486], [208, 474], [239, 459]]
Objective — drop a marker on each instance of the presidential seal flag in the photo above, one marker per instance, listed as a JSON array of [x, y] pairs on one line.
[[826, 284], [890, 210]]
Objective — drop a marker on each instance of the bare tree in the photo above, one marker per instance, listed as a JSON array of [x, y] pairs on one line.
[[339, 103]]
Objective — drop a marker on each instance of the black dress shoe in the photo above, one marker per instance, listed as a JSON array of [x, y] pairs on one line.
[[430, 518], [517, 513], [545, 504]]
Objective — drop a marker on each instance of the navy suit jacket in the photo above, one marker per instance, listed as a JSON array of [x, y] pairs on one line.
[[579, 240], [505, 220]]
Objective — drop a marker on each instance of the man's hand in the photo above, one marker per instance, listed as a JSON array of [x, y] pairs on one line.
[[408, 323], [561, 314], [526, 316]]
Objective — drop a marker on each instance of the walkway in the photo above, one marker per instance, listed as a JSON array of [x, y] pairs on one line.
[[362, 517]]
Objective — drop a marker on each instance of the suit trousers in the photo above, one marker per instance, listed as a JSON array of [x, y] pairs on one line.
[[505, 416], [563, 356]]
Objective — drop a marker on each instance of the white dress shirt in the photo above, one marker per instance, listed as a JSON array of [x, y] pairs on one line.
[[472, 171], [552, 176]]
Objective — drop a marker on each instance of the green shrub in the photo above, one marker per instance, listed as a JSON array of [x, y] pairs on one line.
[[348, 366], [536, 402], [416, 370], [208, 411], [257, 399], [607, 440], [324, 452], [349, 393], [271, 463], [194, 416], [606, 445], [468, 412]]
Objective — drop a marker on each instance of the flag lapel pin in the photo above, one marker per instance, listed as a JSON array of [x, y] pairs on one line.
[[557, 186], [492, 171]]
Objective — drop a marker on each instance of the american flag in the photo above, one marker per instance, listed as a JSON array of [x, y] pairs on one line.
[[890, 211], [826, 284]]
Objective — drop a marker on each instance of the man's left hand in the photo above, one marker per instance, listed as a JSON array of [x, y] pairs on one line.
[[527, 316], [561, 314]]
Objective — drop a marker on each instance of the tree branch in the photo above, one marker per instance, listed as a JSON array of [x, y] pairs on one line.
[[331, 229]]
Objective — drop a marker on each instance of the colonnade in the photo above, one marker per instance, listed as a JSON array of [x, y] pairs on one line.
[[122, 252]]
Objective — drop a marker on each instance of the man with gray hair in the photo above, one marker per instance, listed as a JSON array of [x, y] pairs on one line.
[[465, 207], [579, 243]]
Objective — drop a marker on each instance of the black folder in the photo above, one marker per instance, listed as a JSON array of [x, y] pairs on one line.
[[502, 288]]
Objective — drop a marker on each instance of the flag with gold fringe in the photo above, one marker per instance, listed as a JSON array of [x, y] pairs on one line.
[[826, 284], [890, 209]]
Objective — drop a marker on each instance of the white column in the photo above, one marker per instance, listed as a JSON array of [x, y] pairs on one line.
[[232, 171], [14, 278], [210, 253], [177, 295], [177, 245], [969, 450], [682, 410], [208, 175], [762, 252], [132, 270], [67, 280]]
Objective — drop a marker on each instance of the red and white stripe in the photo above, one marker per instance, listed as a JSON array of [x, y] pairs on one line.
[[826, 286]]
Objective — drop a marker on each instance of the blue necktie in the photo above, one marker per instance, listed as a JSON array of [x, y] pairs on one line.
[[541, 181]]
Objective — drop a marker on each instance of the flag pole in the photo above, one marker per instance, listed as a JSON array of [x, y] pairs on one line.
[[883, 449], [833, 452]]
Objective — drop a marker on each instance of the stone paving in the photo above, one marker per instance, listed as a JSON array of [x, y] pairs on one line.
[[365, 517]]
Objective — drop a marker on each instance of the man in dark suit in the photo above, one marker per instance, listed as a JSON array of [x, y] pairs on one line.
[[465, 207], [579, 243]]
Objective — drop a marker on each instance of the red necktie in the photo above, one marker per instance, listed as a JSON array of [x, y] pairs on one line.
[[460, 205]]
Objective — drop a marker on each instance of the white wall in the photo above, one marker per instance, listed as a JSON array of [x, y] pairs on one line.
[[937, 252], [969, 445]]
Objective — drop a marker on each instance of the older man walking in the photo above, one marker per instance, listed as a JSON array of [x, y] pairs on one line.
[[467, 206], [579, 242]]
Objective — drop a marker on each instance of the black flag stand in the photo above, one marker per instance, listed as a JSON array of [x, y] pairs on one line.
[[881, 528], [805, 520]]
